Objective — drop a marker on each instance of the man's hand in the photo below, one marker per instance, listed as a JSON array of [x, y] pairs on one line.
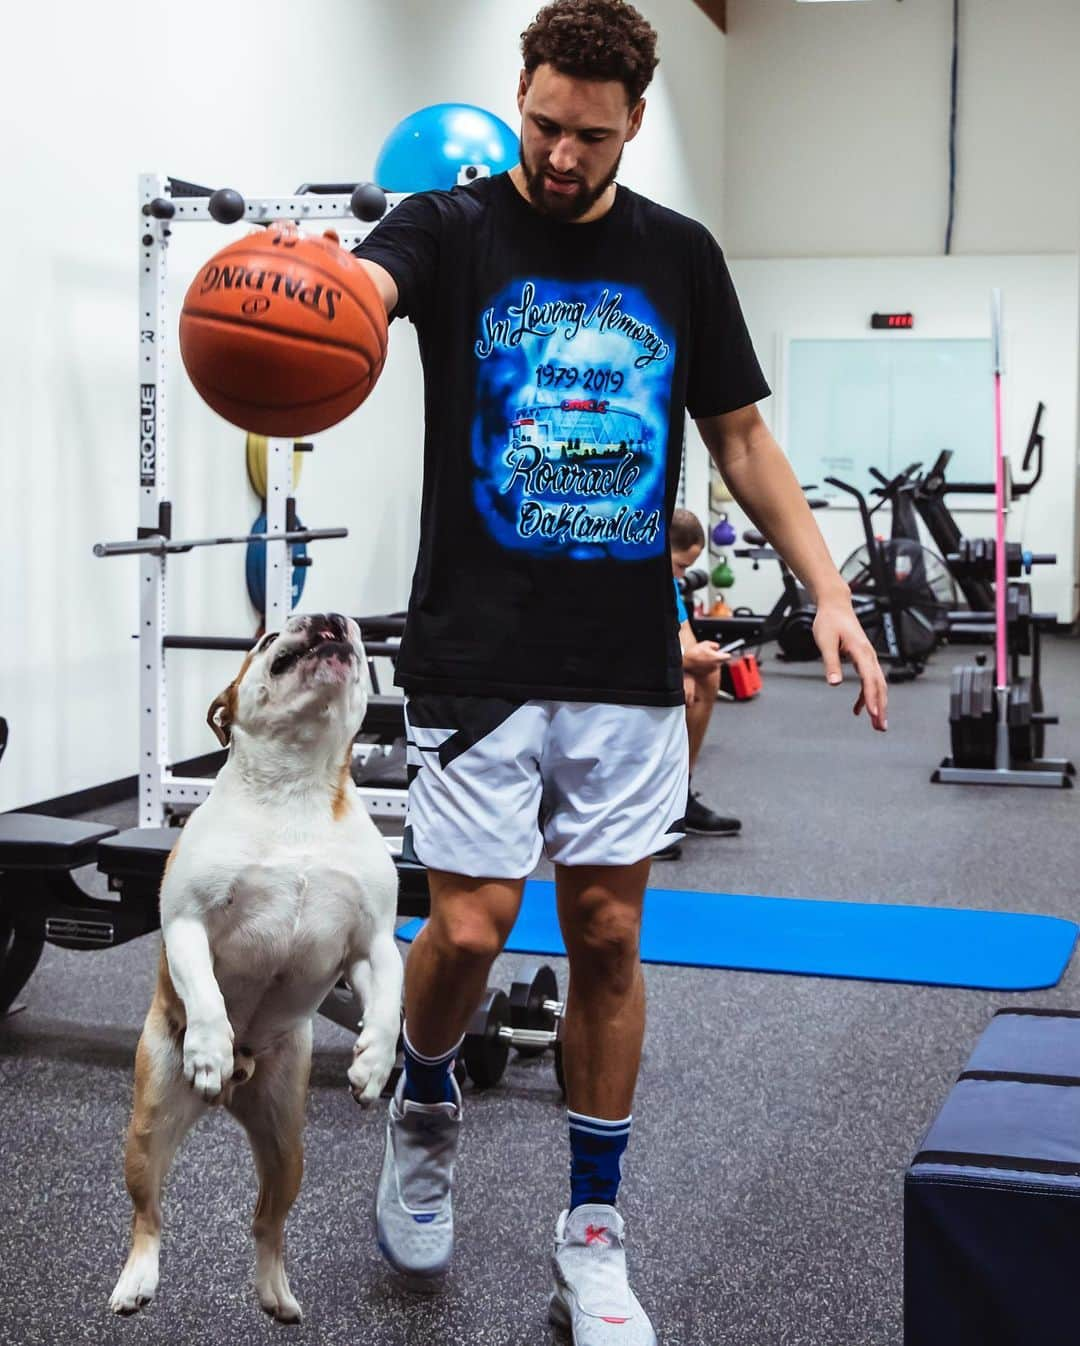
[[703, 656], [700, 658], [838, 631]]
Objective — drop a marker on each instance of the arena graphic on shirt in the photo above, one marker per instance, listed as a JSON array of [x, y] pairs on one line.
[[570, 437]]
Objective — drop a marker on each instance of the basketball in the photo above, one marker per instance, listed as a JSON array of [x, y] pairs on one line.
[[283, 333]]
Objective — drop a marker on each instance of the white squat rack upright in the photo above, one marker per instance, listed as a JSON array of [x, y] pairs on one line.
[[163, 203]]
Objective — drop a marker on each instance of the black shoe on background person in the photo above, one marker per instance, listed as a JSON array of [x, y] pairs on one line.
[[701, 820]]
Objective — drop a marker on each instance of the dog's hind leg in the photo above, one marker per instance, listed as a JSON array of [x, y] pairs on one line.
[[163, 1112], [271, 1110]]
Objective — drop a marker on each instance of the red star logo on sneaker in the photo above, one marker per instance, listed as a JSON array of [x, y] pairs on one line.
[[596, 1233]]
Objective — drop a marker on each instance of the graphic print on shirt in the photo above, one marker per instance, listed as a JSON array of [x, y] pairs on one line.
[[570, 437]]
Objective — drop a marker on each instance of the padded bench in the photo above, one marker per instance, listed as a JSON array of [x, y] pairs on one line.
[[39, 898], [134, 861], [31, 841], [41, 901]]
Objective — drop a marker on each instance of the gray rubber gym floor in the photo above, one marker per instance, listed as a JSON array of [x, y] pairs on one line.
[[773, 1122]]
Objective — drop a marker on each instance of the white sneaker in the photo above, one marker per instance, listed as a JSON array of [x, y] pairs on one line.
[[592, 1299], [414, 1218]]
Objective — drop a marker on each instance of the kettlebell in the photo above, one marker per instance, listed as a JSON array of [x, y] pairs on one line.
[[723, 534], [723, 577]]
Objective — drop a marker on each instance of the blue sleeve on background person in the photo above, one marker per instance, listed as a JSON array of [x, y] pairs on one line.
[[680, 606]]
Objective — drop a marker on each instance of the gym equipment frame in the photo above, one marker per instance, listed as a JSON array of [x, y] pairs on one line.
[[1008, 705], [163, 203]]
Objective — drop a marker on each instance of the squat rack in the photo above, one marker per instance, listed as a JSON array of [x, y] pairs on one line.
[[163, 203]]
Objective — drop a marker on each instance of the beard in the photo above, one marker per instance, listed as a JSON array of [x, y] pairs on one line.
[[574, 204]]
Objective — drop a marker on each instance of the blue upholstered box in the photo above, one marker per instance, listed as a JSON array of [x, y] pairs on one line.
[[992, 1198]]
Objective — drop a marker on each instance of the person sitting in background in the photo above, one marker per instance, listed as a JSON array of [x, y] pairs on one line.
[[701, 660]]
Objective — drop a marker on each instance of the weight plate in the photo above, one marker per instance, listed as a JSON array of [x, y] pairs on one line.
[[534, 984], [483, 1051]]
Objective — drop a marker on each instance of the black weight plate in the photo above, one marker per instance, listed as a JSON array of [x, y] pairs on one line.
[[534, 984], [521, 995], [483, 1051]]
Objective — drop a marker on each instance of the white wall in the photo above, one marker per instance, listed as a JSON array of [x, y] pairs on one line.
[[241, 95], [950, 297], [835, 150], [837, 128]]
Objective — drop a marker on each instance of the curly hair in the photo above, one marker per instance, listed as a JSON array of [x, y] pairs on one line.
[[593, 39]]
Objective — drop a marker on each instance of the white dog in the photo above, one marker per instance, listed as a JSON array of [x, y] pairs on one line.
[[279, 884]]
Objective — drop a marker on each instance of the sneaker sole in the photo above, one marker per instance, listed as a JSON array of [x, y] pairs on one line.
[[559, 1318], [429, 1283], [712, 831]]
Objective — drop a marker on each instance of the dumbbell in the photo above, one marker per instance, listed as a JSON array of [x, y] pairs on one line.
[[529, 1018], [535, 1009]]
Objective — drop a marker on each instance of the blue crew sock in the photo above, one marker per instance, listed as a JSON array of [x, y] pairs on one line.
[[427, 1078], [596, 1149]]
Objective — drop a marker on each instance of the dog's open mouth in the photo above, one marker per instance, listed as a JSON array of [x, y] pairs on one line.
[[324, 646]]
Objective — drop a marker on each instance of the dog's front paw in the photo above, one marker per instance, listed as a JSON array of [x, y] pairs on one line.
[[208, 1056], [374, 1054]]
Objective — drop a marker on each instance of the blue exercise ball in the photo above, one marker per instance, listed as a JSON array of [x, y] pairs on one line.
[[424, 152]]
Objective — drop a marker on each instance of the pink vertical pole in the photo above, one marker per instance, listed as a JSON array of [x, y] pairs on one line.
[[999, 500]]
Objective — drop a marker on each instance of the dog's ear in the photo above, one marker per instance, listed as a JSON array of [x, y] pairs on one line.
[[222, 710], [220, 715]]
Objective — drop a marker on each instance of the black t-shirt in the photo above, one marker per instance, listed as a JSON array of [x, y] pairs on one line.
[[558, 361]]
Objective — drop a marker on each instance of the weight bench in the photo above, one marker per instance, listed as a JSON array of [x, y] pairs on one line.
[[40, 900], [134, 861]]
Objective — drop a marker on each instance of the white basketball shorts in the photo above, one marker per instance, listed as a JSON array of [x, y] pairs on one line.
[[493, 783]]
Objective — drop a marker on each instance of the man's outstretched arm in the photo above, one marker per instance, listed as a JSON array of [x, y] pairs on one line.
[[760, 478]]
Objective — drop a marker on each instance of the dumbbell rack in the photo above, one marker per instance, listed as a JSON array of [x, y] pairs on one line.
[[974, 713], [163, 203]]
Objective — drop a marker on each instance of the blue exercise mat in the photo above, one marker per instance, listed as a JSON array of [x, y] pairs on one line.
[[935, 946]]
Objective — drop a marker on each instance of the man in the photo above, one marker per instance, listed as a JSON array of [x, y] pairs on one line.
[[701, 661], [564, 325]]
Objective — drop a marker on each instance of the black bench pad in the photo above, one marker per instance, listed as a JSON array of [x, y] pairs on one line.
[[140, 851], [34, 841]]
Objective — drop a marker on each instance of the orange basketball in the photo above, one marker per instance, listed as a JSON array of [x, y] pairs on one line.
[[282, 333]]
